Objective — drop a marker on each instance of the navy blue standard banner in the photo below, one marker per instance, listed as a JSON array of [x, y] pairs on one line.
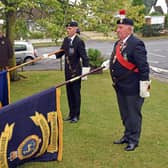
[[3, 88], [29, 130]]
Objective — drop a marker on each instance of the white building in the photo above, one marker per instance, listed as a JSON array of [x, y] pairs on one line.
[[155, 20], [160, 5], [163, 4]]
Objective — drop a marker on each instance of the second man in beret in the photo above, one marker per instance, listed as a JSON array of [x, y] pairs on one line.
[[74, 51], [129, 71]]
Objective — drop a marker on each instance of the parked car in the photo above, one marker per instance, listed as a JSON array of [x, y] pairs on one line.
[[24, 52]]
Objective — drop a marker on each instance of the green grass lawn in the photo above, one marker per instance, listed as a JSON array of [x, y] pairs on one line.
[[89, 143]]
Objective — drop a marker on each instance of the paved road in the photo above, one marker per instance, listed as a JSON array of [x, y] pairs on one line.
[[157, 56]]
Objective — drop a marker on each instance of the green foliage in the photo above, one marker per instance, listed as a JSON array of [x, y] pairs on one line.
[[36, 35], [95, 58], [44, 10], [137, 14], [21, 29], [148, 4], [151, 30], [137, 2], [166, 21], [52, 15], [156, 13], [104, 29], [99, 14]]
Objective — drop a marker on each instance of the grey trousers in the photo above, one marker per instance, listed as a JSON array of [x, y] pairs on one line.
[[130, 111]]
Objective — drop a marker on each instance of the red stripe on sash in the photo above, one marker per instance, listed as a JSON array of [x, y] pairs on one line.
[[124, 62]]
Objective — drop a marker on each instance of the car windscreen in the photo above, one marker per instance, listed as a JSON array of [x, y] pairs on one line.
[[20, 47]]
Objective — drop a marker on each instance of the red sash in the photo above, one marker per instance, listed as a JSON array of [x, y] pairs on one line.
[[124, 62]]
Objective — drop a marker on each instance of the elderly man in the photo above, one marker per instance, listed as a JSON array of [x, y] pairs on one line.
[[74, 51], [6, 50], [130, 75]]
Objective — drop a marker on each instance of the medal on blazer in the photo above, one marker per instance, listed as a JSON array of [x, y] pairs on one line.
[[122, 46], [71, 51], [2, 42], [124, 61]]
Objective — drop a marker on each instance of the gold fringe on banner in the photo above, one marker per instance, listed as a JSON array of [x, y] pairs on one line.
[[60, 124]]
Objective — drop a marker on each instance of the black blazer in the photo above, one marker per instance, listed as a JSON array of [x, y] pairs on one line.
[[6, 51], [136, 53], [73, 62]]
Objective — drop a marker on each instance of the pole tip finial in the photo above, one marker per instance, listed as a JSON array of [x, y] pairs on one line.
[[122, 13]]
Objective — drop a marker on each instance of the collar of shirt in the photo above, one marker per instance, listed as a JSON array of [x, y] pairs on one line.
[[124, 41], [72, 38]]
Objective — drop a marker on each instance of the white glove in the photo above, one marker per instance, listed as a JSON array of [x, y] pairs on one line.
[[144, 88], [45, 55], [106, 64], [84, 71]]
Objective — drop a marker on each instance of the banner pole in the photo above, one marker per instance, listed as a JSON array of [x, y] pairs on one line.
[[60, 124], [80, 76], [21, 65], [35, 60], [9, 88]]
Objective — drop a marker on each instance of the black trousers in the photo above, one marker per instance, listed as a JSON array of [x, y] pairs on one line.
[[74, 98], [130, 111]]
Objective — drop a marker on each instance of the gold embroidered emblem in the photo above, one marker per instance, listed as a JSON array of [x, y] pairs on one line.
[[52, 119], [41, 121], [28, 147], [6, 135]]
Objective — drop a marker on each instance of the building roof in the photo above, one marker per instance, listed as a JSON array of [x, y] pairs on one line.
[[160, 6], [163, 4]]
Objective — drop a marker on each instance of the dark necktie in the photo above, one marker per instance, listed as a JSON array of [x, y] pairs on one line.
[[69, 41], [71, 49]]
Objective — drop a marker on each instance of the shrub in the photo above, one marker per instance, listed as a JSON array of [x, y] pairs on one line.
[[151, 30], [36, 35], [95, 58]]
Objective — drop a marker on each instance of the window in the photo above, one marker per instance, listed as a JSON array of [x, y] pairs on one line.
[[20, 47]]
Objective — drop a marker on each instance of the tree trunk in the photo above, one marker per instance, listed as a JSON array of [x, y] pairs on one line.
[[10, 33]]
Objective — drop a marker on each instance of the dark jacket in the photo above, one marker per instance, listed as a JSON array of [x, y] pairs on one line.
[[73, 65], [6, 51], [136, 53]]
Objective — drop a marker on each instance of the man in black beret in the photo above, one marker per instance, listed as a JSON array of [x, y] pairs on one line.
[[74, 51], [130, 76], [125, 21], [6, 49], [72, 24]]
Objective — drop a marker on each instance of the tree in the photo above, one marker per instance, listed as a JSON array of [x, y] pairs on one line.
[[166, 21], [100, 14], [9, 13], [136, 12], [148, 4], [137, 2], [11, 10], [52, 16]]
